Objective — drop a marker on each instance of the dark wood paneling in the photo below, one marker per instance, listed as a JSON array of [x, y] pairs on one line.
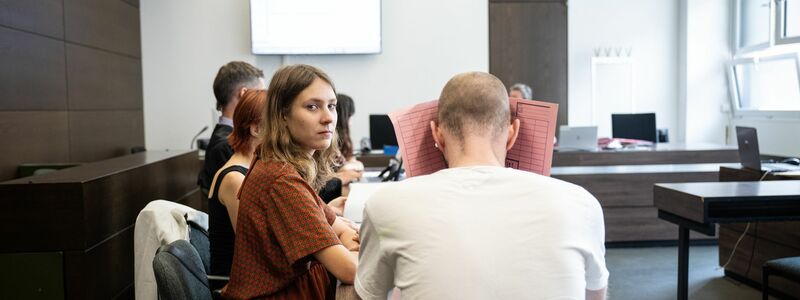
[[89, 212], [32, 76], [752, 253], [134, 3], [785, 233], [96, 135], [27, 215], [39, 16], [80, 207], [636, 224], [114, 202], [764, 240], [528, 44], [630, 190], [127, 294], [606, 158], [741, 174], [83, 270], [40, 137], [110, 25], [103, 80]]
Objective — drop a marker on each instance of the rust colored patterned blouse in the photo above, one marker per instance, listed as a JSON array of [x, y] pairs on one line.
[[281, 223]]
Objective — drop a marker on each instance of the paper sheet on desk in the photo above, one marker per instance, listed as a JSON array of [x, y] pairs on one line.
[[791, 174], [359, 194], [532, 152]]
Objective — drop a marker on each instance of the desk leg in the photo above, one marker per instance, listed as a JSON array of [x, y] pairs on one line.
[[683, 263]]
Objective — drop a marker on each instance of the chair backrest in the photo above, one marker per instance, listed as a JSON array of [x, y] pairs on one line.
[[198, 237], [180, 273]]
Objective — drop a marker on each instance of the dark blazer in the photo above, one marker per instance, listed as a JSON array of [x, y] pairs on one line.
[[217, 154]]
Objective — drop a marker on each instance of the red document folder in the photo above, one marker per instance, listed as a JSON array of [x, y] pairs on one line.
[[532, 152]]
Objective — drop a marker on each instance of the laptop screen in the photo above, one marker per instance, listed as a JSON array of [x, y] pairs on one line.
[[747, 138], [578, 137]]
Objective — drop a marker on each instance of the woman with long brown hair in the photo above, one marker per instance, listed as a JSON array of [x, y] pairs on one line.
[[287, 239]]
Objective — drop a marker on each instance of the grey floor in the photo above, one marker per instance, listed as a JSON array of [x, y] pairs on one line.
[[651, 273]]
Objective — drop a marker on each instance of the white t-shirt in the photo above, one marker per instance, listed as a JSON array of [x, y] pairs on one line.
[[482, 233]]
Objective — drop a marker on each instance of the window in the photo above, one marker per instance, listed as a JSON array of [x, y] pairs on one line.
[[764, 77], [787, 22], [754, 24], [769, 84]]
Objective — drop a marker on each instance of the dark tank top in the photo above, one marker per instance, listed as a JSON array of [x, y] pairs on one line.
[[220, 230]]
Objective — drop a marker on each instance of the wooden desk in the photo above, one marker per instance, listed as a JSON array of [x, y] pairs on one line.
[[375, 160], [623, 183], [699, 205], [674, 153], [76, 225], [762, 242]]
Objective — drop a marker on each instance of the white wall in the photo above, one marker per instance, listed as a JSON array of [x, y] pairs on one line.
[[705, 99], [650, 28], [184, 43]]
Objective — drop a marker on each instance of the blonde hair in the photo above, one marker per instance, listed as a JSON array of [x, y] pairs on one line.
[[286, 84], [474, 103]]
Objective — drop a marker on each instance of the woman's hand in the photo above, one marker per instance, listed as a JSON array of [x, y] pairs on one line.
[[350, 240], [337, 205], [349, 175]]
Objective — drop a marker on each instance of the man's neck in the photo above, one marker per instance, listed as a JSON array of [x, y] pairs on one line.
[[225, 121], [475, 151]]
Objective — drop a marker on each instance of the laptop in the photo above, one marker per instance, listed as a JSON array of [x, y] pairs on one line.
[[577, 138], [749, 154]]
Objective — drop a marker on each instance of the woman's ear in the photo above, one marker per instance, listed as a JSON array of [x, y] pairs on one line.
[[254, 130]]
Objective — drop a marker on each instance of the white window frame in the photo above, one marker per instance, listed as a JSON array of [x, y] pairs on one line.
[[778, 25], [738, 111], [738, 30]]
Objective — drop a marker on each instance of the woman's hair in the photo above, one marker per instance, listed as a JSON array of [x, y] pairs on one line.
[[249, 111], [286, 84], [345, 108]]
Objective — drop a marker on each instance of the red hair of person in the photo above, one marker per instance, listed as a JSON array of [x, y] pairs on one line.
[[249, 111]]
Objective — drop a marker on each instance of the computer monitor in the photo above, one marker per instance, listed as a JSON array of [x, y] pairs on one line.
[[381, 131], [634, 126]]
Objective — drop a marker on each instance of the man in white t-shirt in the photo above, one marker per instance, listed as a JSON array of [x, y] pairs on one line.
[[478, 230]]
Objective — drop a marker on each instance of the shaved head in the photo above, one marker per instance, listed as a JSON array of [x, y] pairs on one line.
[[474, 103]]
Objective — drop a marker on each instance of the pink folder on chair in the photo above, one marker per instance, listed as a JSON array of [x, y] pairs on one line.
[[532, 152]]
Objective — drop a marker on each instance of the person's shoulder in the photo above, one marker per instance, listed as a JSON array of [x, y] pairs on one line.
[[220, 148], [222, 128], [268, 175], [401, 194], [546, 183], [274, 168]]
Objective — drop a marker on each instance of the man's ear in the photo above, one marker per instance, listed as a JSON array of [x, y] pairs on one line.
[[438, 137], [242, 91], [513, 133]]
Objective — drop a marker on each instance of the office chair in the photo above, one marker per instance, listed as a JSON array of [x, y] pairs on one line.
[[180, 273], [198, 237], [787, 267]]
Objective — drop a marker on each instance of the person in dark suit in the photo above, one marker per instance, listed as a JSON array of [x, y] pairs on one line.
[[232, 81]]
